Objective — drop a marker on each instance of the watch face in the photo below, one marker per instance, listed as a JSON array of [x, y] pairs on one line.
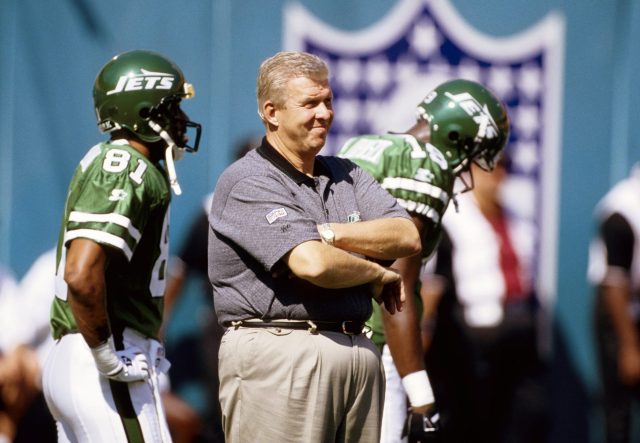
[[328, 236]]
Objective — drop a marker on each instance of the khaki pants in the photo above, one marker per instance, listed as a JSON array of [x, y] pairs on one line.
[[294, 386]]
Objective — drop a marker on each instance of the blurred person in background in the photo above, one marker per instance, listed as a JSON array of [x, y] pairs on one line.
[[614, 271], [19, 365], [482, 353], [25, 340]]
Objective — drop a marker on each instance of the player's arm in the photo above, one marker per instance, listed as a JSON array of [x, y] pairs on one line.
[[85, 276], [385, 238], [431, 291], [616, 298], [402, 330], [616, 292], [402, 333]]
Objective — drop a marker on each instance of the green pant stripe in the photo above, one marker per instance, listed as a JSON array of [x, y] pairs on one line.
[[127, 413]]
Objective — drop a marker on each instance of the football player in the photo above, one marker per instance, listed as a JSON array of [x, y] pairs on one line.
[[101, 378], [459, 123]]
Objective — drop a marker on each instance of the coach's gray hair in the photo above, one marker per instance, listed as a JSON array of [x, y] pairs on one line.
[[276, 71]]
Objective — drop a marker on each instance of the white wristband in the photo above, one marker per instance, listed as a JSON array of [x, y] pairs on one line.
[[418, 388], [106, 359]]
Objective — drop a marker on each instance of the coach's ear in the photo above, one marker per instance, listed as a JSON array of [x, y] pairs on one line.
[[270, 113]]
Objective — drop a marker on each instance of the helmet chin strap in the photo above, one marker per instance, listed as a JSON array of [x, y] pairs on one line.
[[171, 169], [172, 149], [468, 186]]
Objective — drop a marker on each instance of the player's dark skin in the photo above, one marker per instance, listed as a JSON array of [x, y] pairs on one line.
[[85, 268], [84, 274], [402, 329]]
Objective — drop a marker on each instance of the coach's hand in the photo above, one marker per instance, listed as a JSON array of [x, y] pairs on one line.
[[422, 427], [129, 365], [389, 290]]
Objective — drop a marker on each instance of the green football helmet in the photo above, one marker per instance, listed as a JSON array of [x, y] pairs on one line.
[[141, 91], [468, 124]]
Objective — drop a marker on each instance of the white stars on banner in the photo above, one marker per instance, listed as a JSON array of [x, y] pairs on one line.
[[530, 81], [425, 39], [378, 74], [348, 74], [525, 121], [500, 81]]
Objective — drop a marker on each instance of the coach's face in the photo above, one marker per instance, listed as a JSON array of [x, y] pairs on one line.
[[306, 115]]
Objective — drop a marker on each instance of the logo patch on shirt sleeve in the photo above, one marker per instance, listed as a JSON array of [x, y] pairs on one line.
[[354, 217], [276, 214]]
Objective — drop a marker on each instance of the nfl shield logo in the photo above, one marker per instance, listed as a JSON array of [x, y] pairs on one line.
[[379, 75]]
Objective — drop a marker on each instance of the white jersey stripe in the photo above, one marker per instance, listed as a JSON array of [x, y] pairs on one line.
[[89, 157], [420, 208], [100, 237], [121, 220], [409, 184]]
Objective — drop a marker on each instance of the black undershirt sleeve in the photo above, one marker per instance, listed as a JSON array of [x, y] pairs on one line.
[[619, 240]]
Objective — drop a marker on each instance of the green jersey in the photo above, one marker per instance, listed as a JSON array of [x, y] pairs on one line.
[[119, 199], [417, 175]]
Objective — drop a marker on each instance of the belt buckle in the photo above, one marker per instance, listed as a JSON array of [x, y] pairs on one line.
[[344, 328], [313, 328]]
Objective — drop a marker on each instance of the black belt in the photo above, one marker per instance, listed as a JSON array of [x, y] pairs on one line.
[[348, 327]]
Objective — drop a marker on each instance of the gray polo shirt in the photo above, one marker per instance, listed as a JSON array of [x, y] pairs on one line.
[[262, 208]]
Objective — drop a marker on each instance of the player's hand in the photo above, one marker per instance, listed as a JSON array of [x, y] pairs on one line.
[[128, 365], [422, 425], [133, 366]]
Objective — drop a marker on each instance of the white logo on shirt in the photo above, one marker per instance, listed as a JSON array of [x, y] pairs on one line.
[[276, 214]]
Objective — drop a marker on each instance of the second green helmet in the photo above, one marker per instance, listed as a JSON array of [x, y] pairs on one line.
[[468, 123]]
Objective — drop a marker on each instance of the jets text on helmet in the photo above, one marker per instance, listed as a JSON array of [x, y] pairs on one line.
[[487, 127], [144, 80]]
